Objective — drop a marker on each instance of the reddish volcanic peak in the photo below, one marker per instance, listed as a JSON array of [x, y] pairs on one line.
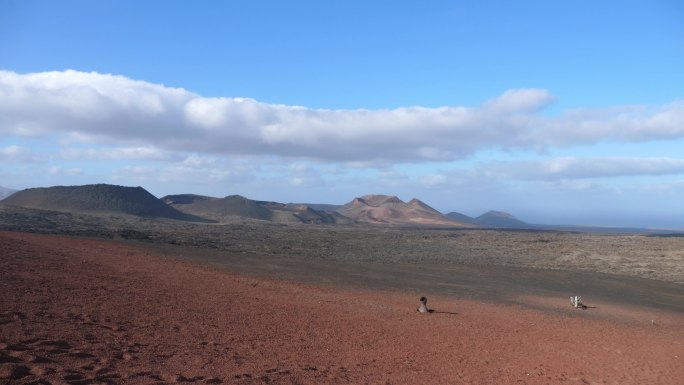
[[418, 203], [389, 209], [379, 200]]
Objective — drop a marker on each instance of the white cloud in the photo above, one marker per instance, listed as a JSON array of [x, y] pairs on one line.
[[135, 115], [139, 171], [73, 171], [181, 173], [56, 170], [116, 153], [676, 186], [193, 170], [581, 168], [521, 100], [619, 124], [53, 170], [199, 161], [301, 181], [16, 154], [433, 180]]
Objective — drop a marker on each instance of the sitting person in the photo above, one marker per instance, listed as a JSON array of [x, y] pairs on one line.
[[423, 306]]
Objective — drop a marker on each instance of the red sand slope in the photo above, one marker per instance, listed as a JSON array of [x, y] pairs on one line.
[[91, 312]]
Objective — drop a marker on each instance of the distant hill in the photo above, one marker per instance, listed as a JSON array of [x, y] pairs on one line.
[[235, 206], [500, 219], [492, 219], [320, 206], [386, 209], [458, 217], [308, 214], [96, 199], [217, 208], [5, 192]]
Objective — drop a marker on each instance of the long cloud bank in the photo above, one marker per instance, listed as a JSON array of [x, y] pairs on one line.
[[102, 108], [580, 168]]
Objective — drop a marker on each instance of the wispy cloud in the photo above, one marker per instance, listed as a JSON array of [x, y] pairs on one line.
[[617, 124], [135, 115], [116, 153], [56, 170], [16, 153], [581, 168]]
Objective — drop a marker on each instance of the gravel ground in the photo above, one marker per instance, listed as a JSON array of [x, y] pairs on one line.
[[634, 255], [76, 311]]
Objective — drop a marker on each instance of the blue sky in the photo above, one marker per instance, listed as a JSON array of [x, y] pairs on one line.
[[557, 112]]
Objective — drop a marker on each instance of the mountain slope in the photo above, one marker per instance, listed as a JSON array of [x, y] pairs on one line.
[[218, 209], [97, 199], [500, 219], [386, 209], [458, 217], [308, 214], [491, 219], [235, 206], [5, 192], [320, 206]]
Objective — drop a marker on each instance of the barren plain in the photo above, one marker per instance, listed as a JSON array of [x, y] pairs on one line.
[[120, 300]]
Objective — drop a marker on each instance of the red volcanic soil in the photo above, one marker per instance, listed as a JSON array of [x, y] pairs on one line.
[[94, 312]]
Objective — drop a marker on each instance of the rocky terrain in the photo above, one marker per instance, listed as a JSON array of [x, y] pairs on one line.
[[99, 289], [637, 255], [77, 311]]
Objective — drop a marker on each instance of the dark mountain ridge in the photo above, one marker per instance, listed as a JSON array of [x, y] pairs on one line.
[[374, 209], [96, 199], [500, 219], [236, 206], [492, 219], [218, 208]]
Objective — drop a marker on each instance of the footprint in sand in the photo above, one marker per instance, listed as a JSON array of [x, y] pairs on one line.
[[36, 359], [73, 377], [14, 371], [7, 317], [41, 371], [8, 359], [178, 378], [56, 346]]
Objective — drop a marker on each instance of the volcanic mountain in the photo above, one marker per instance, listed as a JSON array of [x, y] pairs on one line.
[[235, 206], [386, 209], [491, 219], [96, 199], [500, 219]]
